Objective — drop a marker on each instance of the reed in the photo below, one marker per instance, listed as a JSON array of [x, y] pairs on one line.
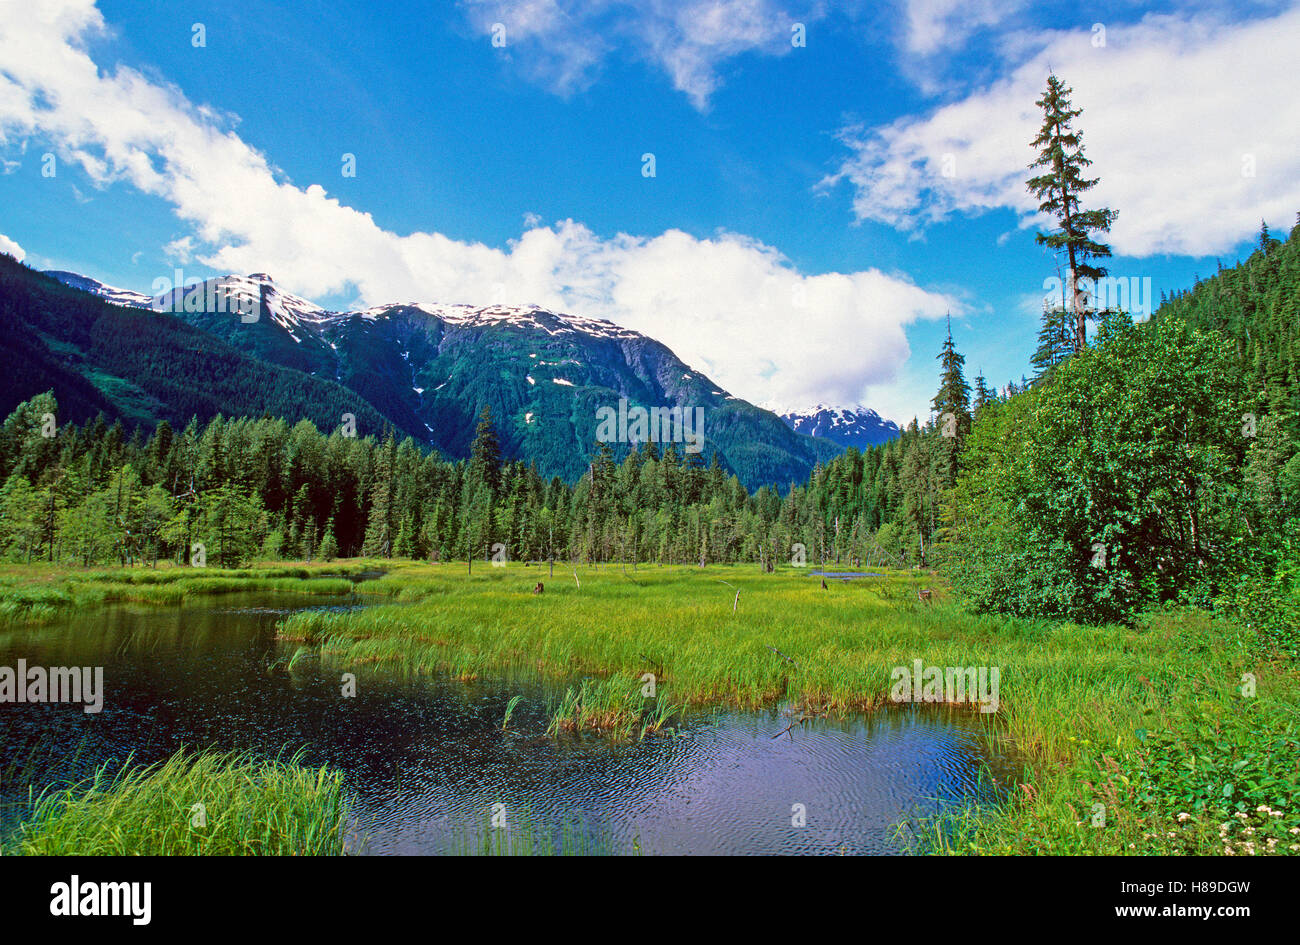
[[1075, 701], [612, 706], [210, 804]]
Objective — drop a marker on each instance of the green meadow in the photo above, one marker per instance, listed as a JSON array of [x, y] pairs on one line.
[[1132, 739], [1178, 734], [35, 593]]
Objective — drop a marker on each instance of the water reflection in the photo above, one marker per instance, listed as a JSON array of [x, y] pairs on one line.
[[426, 758]]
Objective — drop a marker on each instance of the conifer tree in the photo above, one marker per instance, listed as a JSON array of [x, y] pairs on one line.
[[1058, 188], [1055, 341], [952, 408], [983, 395], [379, 529], [329, 547], [485, 452]]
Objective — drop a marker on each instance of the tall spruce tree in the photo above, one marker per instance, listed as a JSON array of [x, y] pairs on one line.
[[485, 452], [952, 407], [1058, 187], [983, 395], [379, 529]]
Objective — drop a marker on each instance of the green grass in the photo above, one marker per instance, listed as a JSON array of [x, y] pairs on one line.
[[248, 807], [1082, 707], [1144, 723], [614, 706], [39, 593]]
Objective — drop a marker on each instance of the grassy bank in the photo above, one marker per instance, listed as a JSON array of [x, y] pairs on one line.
[[1147, 721], [36, 593], [206, 804], [1134, 740]]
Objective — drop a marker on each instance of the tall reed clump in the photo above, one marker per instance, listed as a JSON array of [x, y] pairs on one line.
[[205, 804], [612, 706]]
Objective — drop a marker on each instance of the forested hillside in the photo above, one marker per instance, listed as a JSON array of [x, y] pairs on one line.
[[143, 366], [262, 488], [1172, 445], [1138, 444], [1143, 465], [1257, 305]]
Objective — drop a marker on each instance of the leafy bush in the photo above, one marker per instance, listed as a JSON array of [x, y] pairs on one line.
[[1111, 486]]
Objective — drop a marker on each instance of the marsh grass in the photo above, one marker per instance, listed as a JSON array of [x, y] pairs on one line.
[[40, 593], [613, 706], [250, 807], [1076, 700], [1146, 721], [510, 711]]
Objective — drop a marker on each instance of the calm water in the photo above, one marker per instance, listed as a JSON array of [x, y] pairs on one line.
[[426, 758]]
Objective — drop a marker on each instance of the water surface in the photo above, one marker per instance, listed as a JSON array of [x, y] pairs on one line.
[[424, 759]]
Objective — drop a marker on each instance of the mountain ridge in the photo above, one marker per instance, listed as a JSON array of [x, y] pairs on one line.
[[855, 426], [429, 368]]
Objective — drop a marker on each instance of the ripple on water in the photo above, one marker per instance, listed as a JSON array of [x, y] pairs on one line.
[[425, 759]]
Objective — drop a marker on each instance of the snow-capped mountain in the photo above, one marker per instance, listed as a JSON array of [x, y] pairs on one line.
[[87, 284], [430, 368], [258, 295], [848, 426], [255, 293]]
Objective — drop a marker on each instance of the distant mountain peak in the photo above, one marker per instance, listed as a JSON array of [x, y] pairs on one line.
[[461, 315], [95, 287], [848, 426], [290, 311]]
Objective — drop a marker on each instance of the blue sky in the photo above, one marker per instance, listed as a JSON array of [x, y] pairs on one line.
[[799, 241]]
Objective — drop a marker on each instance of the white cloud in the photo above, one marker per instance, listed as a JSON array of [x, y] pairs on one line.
[[561, 43], [13, 249], [728, 305], [180, 250], [935, 25], [1173, 108]]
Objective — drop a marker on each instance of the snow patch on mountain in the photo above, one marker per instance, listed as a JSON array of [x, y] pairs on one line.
[[95, 287], [238, 295], [301, 317], [848, 426]]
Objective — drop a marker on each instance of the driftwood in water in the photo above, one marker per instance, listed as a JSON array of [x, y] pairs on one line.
[[803, 717]]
